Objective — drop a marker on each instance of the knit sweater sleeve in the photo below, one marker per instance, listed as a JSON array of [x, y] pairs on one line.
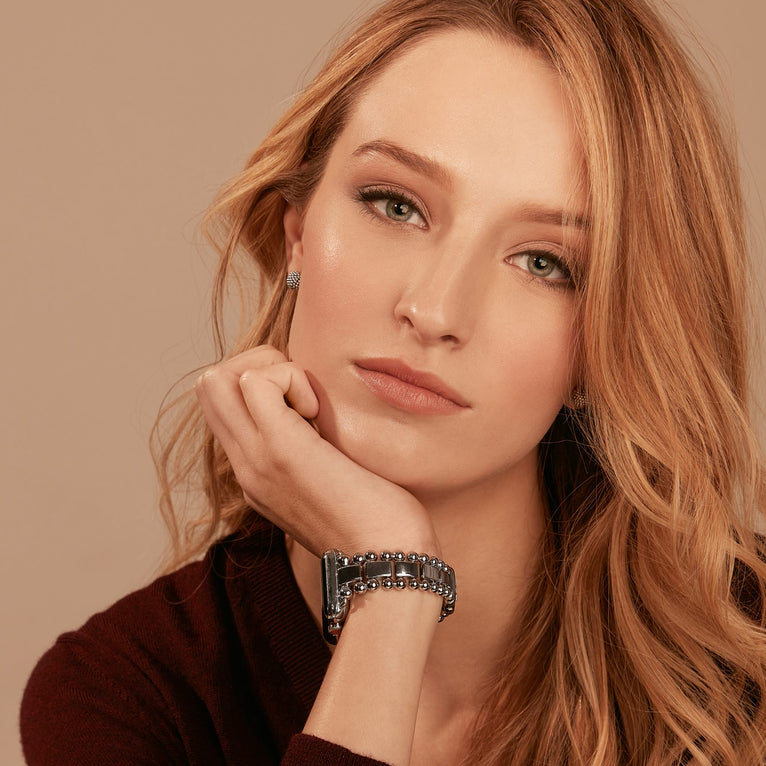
[[75, 710]]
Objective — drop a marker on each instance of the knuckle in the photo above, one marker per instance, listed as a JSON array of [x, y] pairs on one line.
[[271, 355], [206, 380], [249, 379]]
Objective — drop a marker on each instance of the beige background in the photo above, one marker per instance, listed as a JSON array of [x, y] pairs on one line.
[[119, 120]]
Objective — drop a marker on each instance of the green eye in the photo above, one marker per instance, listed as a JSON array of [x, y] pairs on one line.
[[392, 204], [397, 210], [549, 269], [540, 265]]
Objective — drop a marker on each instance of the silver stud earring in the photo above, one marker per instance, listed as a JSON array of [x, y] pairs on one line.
[[579, 399], [293, 280]]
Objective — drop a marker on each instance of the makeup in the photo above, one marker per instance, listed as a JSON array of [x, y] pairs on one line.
[[399, 385]]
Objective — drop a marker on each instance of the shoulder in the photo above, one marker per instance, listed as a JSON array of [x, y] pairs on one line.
[[183, 666], [118, 676], [158, 630]]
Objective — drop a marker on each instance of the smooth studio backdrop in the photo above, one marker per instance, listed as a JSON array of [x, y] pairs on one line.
[[119, 122]]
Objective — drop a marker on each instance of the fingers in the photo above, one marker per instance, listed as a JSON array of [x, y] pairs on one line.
[[223, 406], [263, 378], [244, 398], [245, 402], [260, 356], [267, 364], [264, 390]]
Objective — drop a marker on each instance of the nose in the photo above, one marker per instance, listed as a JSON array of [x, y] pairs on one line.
[[443, 294]]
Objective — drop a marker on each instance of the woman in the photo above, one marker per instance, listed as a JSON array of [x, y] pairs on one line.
[[502, 273]]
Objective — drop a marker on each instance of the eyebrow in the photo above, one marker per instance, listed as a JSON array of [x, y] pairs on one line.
[[423, 165], [541, 214], [533, 213]]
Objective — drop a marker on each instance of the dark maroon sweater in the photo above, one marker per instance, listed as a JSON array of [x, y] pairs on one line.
[[217, 664]]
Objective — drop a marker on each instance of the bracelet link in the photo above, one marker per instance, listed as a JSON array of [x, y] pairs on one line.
[[407, 569], [377, 569]]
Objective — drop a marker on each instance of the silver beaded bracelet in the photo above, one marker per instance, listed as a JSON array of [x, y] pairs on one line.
[[343, 576]]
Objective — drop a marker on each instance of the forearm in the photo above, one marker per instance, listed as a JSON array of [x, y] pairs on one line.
[[369, 699]]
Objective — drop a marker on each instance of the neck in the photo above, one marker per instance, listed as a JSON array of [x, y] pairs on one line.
[[492, 536]]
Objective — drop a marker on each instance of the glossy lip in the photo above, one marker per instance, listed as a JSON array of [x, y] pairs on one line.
[[398, 384]]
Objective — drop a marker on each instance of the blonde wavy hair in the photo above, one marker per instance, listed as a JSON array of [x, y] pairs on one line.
[[643, 636]]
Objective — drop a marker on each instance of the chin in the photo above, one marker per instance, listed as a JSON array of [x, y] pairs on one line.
[[399, 460]]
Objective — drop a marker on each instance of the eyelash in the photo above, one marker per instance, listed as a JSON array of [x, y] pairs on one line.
[[565, 283], [368, 195]]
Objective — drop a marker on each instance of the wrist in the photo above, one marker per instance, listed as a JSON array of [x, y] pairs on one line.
[[394, 523]]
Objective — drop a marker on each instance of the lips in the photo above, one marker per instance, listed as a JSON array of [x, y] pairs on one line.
[[398, 384]]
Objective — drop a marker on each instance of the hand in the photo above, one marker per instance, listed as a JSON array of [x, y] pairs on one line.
[[256, 405]]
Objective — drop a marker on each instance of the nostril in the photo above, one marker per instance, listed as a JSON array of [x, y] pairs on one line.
[[435, 308], [427, 326]]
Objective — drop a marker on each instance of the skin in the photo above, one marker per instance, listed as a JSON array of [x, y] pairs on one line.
[[433, 257]]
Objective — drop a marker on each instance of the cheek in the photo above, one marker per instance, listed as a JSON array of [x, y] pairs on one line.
[[545, 363], [331, 294], [534, 366]]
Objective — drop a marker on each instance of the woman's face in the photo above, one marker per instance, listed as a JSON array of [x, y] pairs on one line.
[[434, 315]]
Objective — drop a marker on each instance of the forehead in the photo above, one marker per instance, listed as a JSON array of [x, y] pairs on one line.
[[480, 106]]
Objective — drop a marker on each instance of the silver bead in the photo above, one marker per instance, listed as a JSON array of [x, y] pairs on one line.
[[344, 591], [359, 587], [399, 556], [413, 583], [423, 558], [412, 557], [423, 585], [370, 556], [385, 556], [358, 558], [434, 587], [372, 584], [400, 584], [388, 583], [345, 561]]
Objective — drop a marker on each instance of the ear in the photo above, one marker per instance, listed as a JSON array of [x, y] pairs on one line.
[[293, 225]]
